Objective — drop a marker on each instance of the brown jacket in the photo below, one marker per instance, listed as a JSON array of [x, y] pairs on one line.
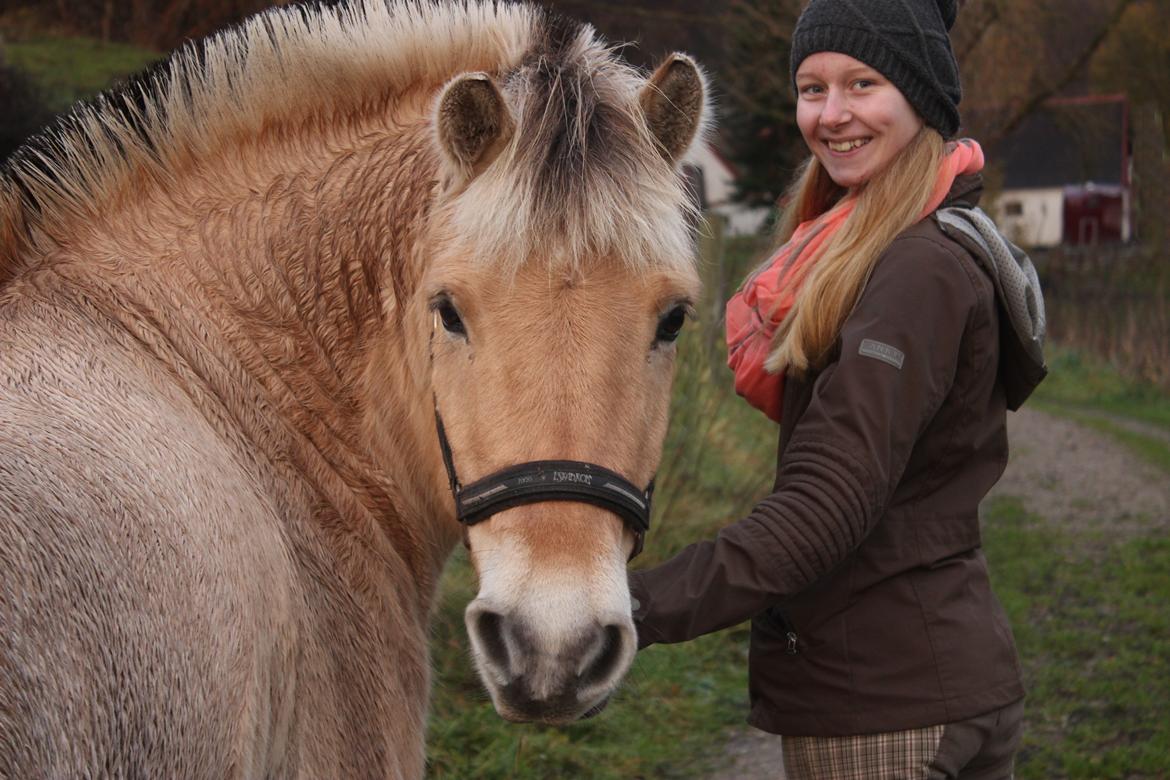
[[862, 573]]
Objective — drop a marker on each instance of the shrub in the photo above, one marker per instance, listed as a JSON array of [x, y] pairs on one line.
[[24, 110]]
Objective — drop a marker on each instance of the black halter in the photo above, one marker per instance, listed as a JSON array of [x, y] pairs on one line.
[[548, 480]]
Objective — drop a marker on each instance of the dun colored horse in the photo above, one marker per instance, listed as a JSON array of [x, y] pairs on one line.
[[235, 298]]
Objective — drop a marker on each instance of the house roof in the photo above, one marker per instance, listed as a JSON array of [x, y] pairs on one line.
[[1067, 141]]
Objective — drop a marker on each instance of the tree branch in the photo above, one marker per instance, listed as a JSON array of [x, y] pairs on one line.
[[976, 38], [1042, 95]]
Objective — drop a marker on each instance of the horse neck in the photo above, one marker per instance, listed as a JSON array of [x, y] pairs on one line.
[[303, 255]]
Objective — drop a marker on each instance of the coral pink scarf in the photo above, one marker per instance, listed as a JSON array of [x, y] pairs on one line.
[[756, 311]]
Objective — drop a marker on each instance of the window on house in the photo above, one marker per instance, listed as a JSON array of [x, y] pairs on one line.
[[1013, 208]]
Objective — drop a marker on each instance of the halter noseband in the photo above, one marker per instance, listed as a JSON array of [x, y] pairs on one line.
[[548, 480]]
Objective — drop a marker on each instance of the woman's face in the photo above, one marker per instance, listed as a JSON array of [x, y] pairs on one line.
[[852, 118]]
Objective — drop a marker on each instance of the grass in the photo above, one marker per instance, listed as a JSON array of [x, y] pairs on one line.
[[1090, 620], [67, 69]]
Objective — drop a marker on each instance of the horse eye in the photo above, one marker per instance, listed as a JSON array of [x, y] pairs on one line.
[[452, 323], [671, 324]]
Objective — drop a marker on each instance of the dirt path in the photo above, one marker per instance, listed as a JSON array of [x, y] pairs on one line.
[[1059, 470]]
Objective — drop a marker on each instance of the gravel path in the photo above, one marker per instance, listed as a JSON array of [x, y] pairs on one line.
[[1067, 473], [1062, 472]]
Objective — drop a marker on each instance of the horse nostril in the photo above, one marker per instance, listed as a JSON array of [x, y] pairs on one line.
[[605, 662], [489, 627]]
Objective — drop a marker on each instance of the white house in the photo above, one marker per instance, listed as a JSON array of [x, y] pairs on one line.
[[713, 179], [1031, 216], [1067, 174]]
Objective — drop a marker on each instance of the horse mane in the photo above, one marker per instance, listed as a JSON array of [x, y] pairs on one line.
[[581, 153]]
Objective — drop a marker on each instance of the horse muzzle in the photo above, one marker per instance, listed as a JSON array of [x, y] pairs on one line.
[[553, 677]]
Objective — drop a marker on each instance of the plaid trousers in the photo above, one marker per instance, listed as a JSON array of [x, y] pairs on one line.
[[905, 755], [982, 748]]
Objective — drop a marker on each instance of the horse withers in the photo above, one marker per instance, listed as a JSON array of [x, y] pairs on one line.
[[236, 298]]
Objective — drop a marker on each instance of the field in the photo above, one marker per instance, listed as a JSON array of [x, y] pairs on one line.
[[1086, 596], [70, 69]]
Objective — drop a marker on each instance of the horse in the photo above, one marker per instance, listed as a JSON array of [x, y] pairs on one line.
[[265, 312]]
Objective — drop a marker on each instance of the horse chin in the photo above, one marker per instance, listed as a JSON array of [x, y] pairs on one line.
[[562, 712], [551, 719]]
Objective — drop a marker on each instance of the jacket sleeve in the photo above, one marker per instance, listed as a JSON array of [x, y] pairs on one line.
[[846, 455]]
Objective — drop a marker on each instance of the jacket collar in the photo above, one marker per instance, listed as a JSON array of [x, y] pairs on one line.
[[966, 191]]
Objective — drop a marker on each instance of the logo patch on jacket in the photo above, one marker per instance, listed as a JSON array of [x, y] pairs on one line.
[[883, 352]]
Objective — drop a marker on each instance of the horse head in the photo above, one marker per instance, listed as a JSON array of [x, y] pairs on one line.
[[560, 274]]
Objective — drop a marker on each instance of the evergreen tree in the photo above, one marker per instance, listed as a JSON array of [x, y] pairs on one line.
[[759, 118]]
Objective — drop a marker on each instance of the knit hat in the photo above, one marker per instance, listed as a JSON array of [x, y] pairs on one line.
[[904, 40]]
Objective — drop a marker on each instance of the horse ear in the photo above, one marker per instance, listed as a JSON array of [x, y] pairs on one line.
[[675, 101], [473, 124]]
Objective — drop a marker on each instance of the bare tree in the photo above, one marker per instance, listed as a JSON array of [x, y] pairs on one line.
[[1136, 58], [1022, 54]]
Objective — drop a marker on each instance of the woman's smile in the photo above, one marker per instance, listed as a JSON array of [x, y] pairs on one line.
[[846, 148]]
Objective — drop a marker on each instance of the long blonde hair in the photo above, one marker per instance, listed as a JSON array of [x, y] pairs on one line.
[[887, 204]]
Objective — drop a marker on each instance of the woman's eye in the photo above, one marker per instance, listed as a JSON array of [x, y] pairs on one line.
[[671, 325], [452, 322], [863, 83], [810, 90]]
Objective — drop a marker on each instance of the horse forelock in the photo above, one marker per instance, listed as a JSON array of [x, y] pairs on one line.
[[582, 177]]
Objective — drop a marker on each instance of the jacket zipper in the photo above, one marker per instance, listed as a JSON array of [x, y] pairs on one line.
[[789, 630]]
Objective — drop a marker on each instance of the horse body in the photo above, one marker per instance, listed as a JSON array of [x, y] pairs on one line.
[[223, 510], [204, 583]]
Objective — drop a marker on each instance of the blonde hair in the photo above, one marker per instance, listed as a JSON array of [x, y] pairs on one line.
[[886, 205]]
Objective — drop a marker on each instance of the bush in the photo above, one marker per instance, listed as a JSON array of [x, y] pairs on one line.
[[24, 110]]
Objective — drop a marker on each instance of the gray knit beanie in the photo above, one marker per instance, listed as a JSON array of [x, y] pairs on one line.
[[904, 40]]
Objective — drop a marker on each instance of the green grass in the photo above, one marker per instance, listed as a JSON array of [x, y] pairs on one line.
[[1090, 620], [1077, 379], [1152, 449], [71, 69]]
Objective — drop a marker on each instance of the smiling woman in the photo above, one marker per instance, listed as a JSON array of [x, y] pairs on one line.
[[873, 335]]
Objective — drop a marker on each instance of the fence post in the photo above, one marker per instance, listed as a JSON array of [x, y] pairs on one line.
[[712, 251]]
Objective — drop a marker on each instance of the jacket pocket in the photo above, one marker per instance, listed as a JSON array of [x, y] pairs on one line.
[[777, 626]]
